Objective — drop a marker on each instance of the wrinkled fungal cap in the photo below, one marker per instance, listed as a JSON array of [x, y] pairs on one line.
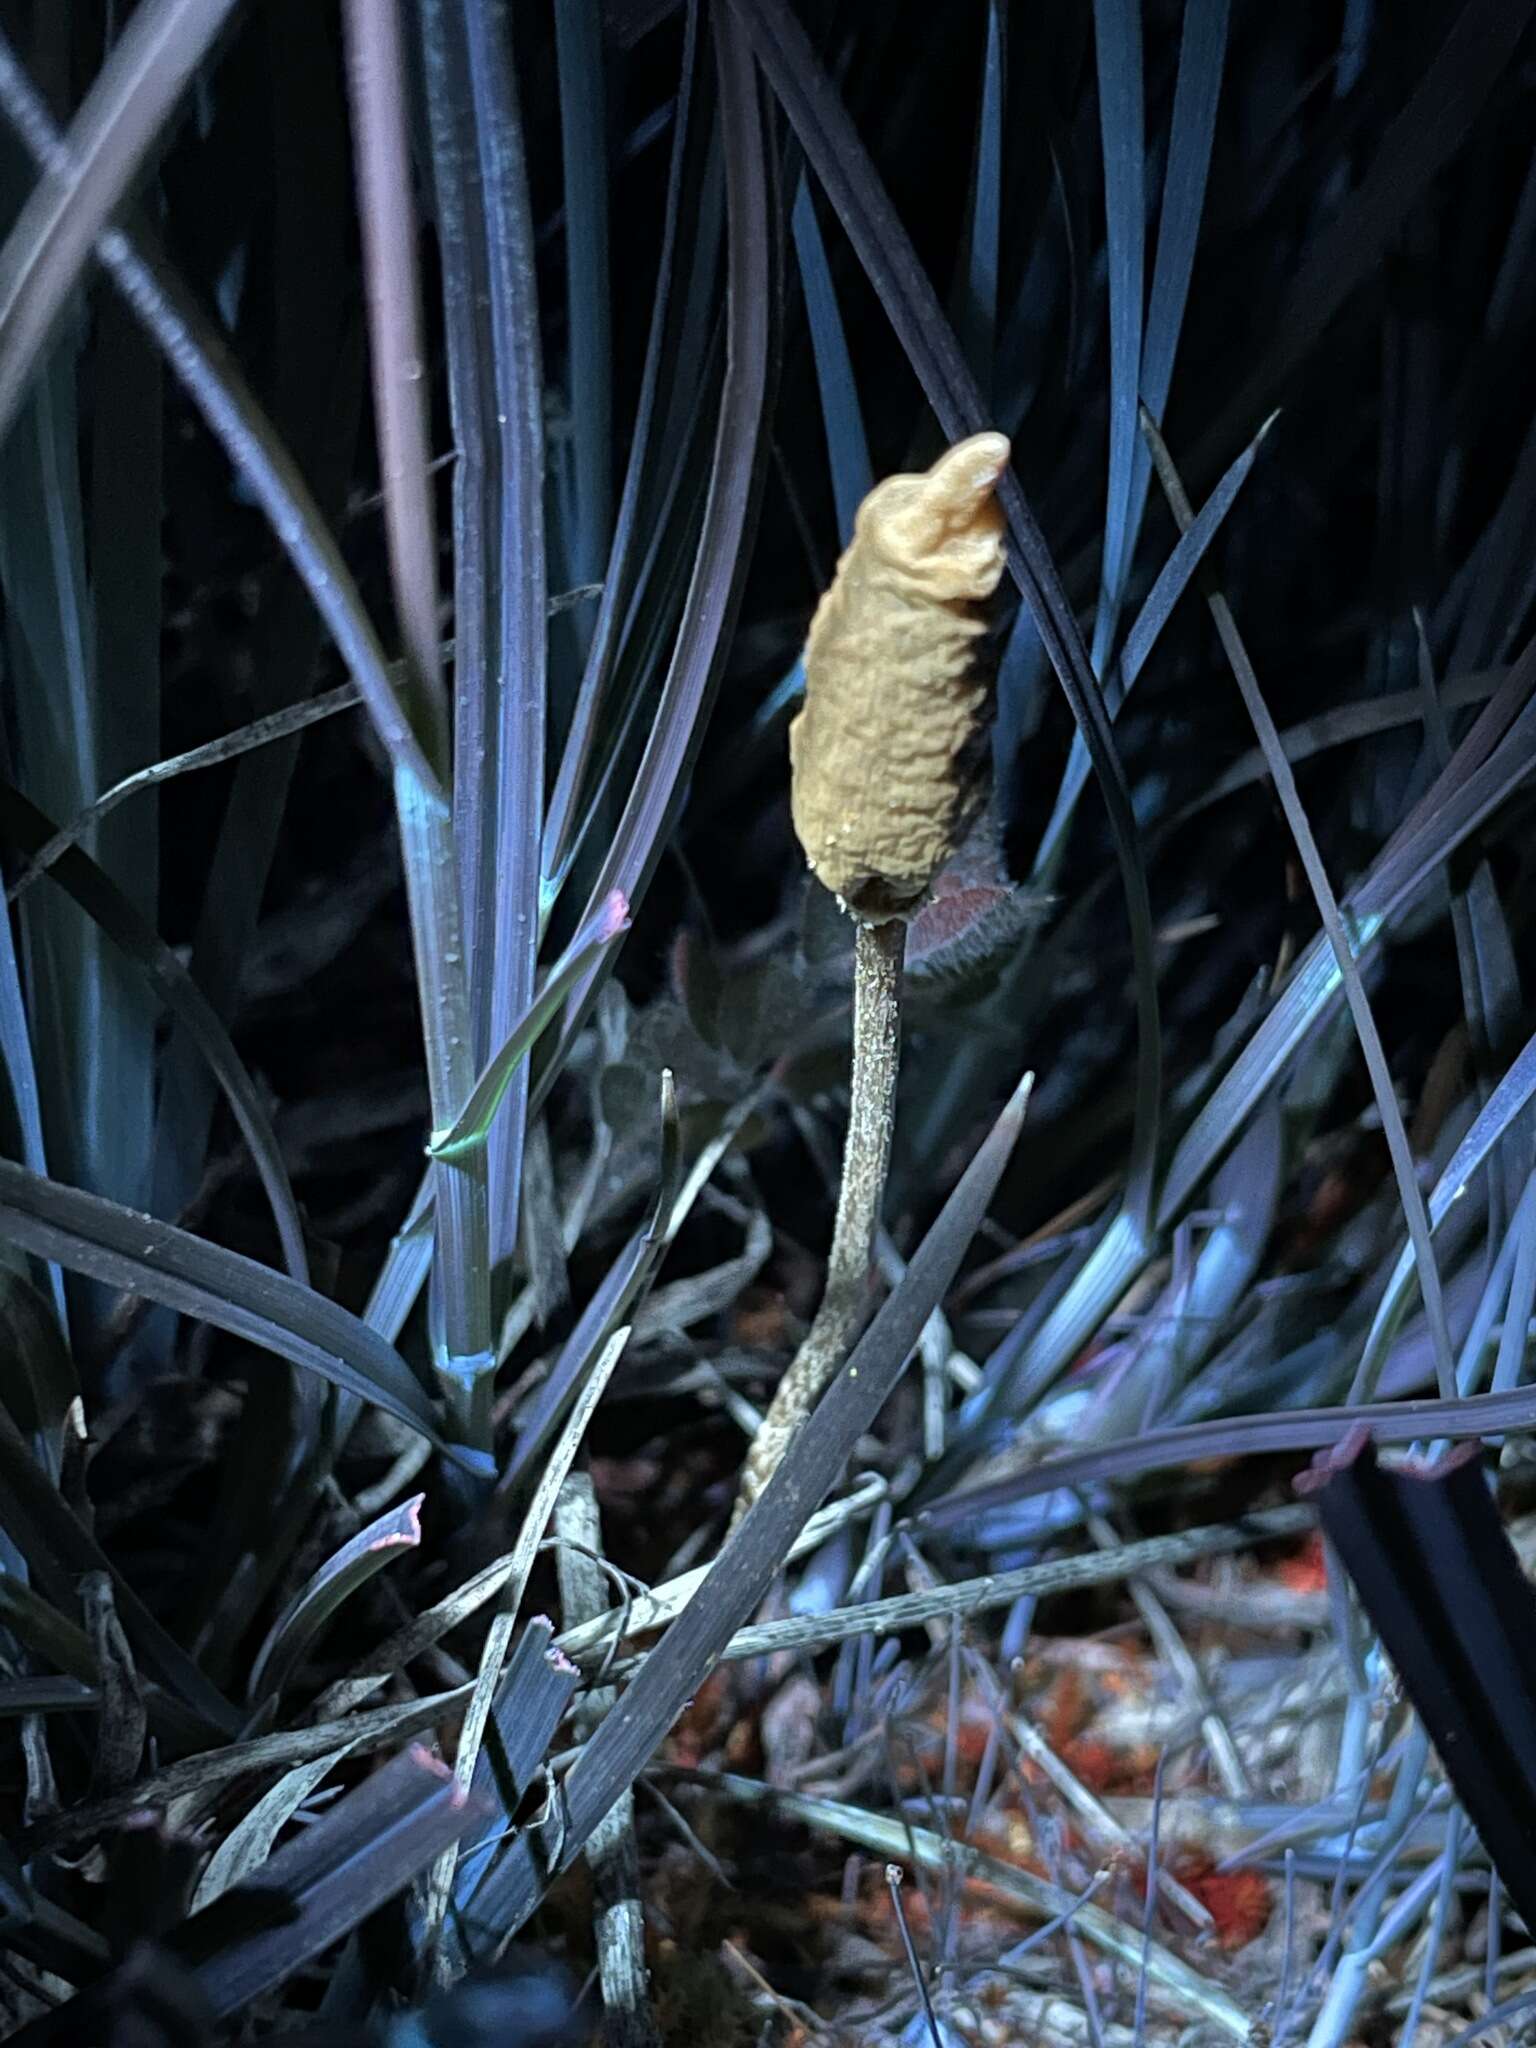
[[883, 754], [942, 530]]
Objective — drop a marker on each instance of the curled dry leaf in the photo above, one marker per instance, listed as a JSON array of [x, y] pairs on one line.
[[883, 756]]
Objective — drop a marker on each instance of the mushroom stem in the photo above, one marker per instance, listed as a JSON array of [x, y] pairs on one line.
[[879, 950]]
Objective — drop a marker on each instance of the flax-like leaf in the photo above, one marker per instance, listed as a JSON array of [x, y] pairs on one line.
[[580, 746]]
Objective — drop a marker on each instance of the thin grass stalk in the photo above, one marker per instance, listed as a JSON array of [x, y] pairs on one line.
[[518, 684], [463, 1351], [477, 483]]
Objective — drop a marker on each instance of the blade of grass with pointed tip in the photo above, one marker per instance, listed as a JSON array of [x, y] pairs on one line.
[[833, 149], [1497, 1115], [1189, 552], [1192, 127], [1382, 1088], [470, 1129], [1173, 580], [245, 739], [1485, 956], [353, 1565], [1482, 773], [1490, 762], [755, 1551], [1339, 727]]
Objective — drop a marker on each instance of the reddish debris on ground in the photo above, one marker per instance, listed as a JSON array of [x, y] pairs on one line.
[[705, 1723], [1239, 1901], [1307, 1571]]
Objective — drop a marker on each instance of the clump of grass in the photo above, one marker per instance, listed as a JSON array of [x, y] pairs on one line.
[[429, 430]]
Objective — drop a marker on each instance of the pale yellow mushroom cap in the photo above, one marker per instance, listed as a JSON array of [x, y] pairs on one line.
[[882, 755]]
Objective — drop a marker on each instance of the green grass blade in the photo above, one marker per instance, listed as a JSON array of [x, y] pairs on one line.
[[470, 1129]]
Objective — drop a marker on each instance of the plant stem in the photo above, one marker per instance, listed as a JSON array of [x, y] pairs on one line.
[[879, 950]]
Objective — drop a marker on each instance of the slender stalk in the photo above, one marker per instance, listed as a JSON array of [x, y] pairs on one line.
[[879, 950], [464, 1356]]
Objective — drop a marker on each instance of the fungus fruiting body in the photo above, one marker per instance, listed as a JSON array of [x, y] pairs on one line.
[[883, 755], [884, 777]]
